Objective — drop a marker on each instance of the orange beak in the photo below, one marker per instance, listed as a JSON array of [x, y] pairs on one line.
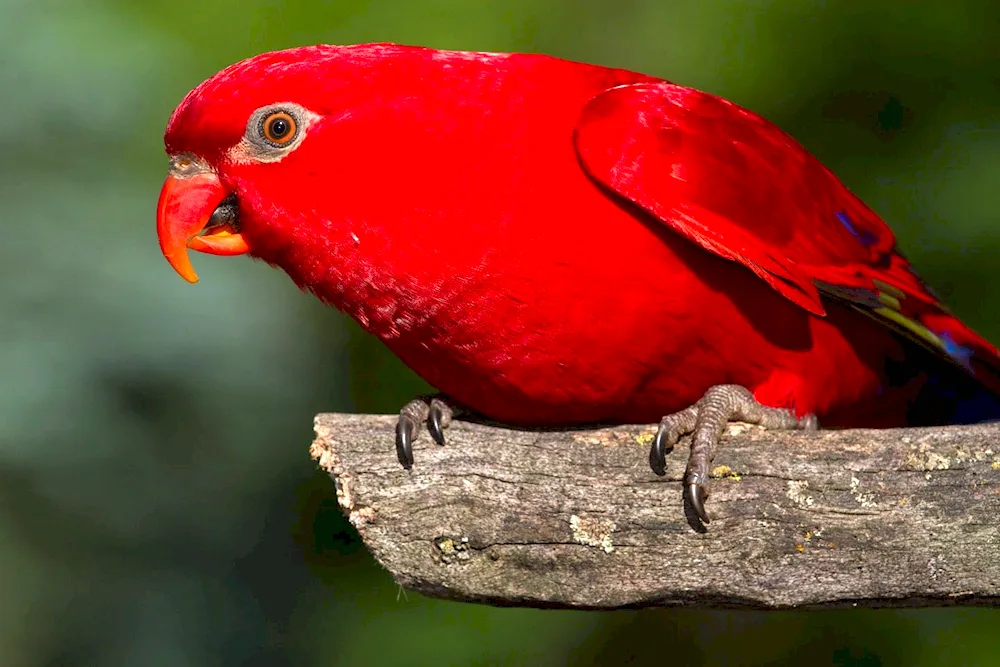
[[195, 212]]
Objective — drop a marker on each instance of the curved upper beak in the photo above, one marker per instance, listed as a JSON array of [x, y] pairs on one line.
[[196, 211]]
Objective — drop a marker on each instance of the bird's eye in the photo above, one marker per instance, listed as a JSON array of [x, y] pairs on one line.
[[274, 131], [278, 128]]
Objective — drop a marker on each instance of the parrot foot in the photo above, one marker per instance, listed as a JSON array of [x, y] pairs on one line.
[[436, 411], [707, 419]]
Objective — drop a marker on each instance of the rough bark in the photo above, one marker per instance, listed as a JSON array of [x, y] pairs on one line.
[[905, 517]]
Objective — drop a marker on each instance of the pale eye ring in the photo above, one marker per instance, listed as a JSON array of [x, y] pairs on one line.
[[273, 131]]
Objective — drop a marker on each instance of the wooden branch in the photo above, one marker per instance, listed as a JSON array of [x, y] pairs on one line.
[[907, 517]]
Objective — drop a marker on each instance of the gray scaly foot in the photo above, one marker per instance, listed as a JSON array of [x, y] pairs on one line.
[[707, 419]]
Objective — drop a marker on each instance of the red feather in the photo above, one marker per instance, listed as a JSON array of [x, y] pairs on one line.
[[551, 242], [740, 187]]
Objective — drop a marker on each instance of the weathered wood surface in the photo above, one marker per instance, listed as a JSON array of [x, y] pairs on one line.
[[907, 517]]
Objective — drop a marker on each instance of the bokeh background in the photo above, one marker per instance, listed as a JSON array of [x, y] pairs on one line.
[[158, 506]]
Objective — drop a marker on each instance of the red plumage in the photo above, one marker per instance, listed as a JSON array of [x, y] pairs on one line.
[[549, 242]]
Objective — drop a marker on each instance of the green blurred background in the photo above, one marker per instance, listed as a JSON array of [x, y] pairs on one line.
[[158, 506]]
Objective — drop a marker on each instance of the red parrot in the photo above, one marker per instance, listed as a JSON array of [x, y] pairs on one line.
[[553, 243]]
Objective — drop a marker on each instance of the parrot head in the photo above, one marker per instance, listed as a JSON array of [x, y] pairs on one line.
[[250, 139]]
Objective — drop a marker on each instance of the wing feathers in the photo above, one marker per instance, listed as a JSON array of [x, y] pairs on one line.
[[739, 187]]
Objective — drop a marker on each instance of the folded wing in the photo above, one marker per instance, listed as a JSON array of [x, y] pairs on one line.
[[740, 187]]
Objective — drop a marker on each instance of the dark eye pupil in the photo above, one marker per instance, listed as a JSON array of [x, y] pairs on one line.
[[279, 128]]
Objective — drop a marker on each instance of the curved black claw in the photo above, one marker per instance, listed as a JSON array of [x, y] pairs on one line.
[[406, 429], [672, 427], [659, 450], [697, 494], [435, 420], [435, 411]]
